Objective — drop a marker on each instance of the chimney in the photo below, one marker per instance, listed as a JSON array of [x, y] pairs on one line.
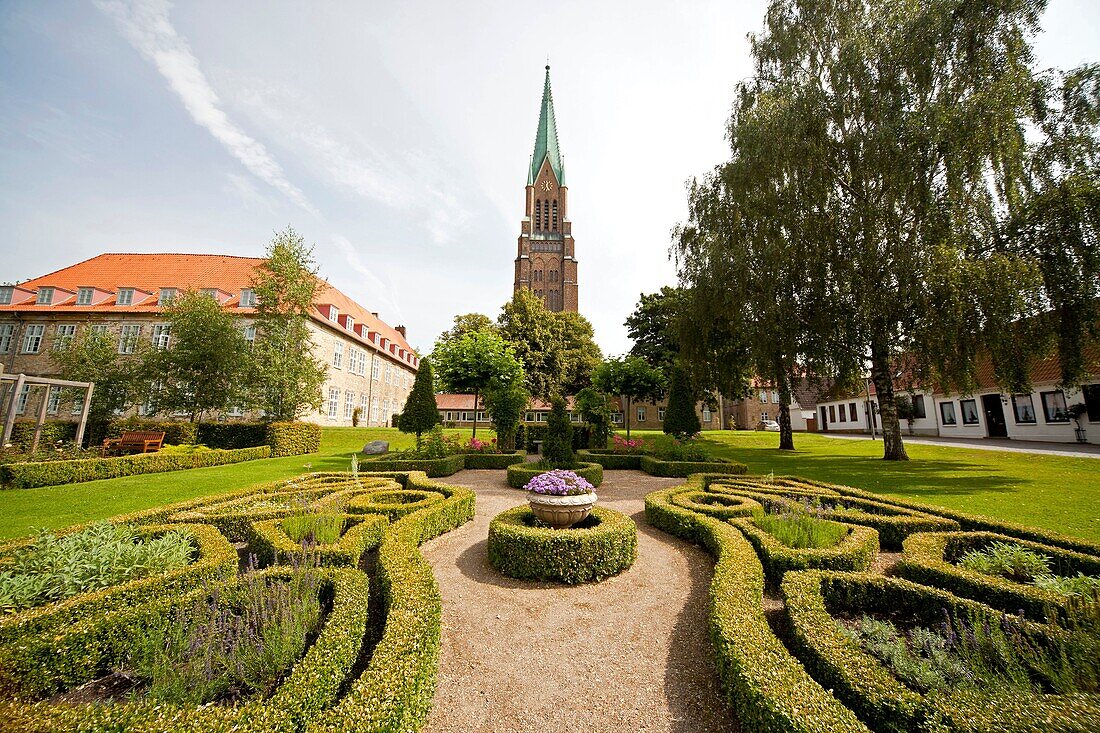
[[374, 313], [401, 330]]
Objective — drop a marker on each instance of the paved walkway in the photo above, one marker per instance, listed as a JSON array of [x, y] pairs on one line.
[[1071, 450], [631, 653]]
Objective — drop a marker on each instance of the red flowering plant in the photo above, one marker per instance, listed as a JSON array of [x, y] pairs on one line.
[[476, 445], [622, 445]]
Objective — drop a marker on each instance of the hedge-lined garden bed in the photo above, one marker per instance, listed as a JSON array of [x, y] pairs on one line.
[[519, 474], [656, 466], [492, 460], [785, 683], [432, 467], [604, 544], [329, 688]]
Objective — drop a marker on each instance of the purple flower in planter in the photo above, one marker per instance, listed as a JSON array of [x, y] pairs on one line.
[[559, 483]]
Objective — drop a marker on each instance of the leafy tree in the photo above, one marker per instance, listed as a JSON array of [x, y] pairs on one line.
[[879, 145], [557, 448], [653, 327], [579, 355], [206, 357], [595, 409], [505, 403], [474, 363], [631, 377], [420, 413], [93, 357], [680, 418], [284, 379], [468, 323]]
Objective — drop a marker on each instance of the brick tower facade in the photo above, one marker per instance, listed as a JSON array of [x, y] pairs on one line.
[[546, 263]]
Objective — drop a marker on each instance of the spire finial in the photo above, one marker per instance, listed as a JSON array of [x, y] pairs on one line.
[[548, 62]]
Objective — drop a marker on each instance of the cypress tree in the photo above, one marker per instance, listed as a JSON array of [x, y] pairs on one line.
[[680, 418], [557, 449], [420, 413]]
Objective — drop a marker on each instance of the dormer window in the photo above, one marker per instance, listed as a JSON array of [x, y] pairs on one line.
[[44, 297], [248, 298], [350, 325], [166, 296], [334, 314], [84, 296], [125, 296], [6, 294], [210, 292]]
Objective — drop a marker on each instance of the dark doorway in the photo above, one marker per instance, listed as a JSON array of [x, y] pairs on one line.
[[824, 421], [994, 416]]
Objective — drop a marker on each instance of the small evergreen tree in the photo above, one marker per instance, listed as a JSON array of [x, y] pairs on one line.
[[595, 409], [680, 418], [557, 448], [420, 413]]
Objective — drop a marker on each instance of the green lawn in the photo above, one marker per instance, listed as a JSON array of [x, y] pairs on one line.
[[24, 510], [1053, 492]]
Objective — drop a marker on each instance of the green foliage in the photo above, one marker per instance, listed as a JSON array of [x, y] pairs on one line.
[[436, 447], [604, 544], [1072, 585], [313, 528], [284, 379], [175, 432], [557, 449], [231, 434], [595, 409], [505, 404], [654, 327], [800, 530], [680, 418], [475, 363], [203, 366], [31, 475], [394, 504], [247, 642], [53, 568], [631, 377], [1008, 560], [579, 355], [93, 357], [433, 467], [53, 431], [681, 469], [420, 413], [293, 438], [681, 450]]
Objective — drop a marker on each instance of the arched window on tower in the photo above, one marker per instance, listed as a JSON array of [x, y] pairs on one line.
[[538, 215], [554, 206]]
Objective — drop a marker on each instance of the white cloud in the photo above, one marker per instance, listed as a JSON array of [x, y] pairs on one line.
[[145, 24], [380, 291]]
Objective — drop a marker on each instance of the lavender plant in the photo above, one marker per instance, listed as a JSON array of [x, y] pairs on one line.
[[559, 482]]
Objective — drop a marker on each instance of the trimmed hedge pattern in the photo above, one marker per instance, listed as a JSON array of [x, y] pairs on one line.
[[929, 559], [766, 689], [520, 473], [393, 504], [683, 469], [611, 460], [606, 546], [326, 690], [293, 438], [492, 460], [362, 532], [53, 473], [433, 467]]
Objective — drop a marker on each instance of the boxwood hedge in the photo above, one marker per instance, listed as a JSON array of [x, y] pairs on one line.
[[393, 504], [53, 473], [929, 558], [769, 688], [722, 506], [293, 438], [362, 532], [879, 697], [857, 551], [611, 460], [433, 467], [520, 473], [605, 544], [682, 469]]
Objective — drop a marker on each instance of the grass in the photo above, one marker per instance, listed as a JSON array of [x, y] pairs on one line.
[[1052, 492]]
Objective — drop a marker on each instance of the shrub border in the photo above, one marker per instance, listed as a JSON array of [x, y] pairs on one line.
[[432, 467], [769, 688], [611, 460], [683, 469], [569, 556], [492, 460], [367, 503], [687, 499], [855, 552], [924, 561], [520, 473], [362, 532]]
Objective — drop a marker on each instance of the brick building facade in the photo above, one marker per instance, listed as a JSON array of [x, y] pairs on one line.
[[546, 262], [370, 364]]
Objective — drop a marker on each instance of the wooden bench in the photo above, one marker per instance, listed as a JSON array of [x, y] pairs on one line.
[[134, 441]]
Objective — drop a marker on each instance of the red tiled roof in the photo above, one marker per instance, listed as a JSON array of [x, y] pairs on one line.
[[454, 402], [149, 273]]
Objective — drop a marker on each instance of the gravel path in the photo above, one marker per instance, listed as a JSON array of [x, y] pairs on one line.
[[628, 654]]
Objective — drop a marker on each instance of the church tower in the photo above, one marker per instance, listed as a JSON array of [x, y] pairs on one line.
[[546, 263]]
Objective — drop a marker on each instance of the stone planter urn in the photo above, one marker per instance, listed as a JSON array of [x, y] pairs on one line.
[[561, 512]]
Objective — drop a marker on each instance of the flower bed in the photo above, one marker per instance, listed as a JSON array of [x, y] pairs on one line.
[[520, 474], [604, 544], [931, 559]]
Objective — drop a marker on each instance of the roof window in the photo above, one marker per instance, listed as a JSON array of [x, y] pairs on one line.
[[44, 297]]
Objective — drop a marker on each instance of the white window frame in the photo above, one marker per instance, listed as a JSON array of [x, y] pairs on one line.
[[334, 314], [661, 414], [338, 355], [128, 336], [763, 396], [63, 335], [641, 414], [165, 297], [100, 328], [775, 397], [250, 336], [44, 296], [349, 404], [84, 296], [333, 401], [374, 368], [707, 414], [7, 333], [162, 335], [53, 400], [7, 293], [21, 400], [32, 337], [125, 296], [373, 409], [617, 418], [248, 298]]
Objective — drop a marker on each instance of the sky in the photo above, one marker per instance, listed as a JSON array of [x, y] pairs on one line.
[[394, 136]]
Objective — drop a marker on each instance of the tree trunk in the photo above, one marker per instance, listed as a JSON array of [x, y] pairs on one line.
[[893, 449], [475, 413], [786, 433], [628, 417]]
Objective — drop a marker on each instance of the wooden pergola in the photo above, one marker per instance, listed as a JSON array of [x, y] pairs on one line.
[[18, 381]]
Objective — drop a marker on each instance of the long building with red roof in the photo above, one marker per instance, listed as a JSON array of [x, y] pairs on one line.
[[370, 363]]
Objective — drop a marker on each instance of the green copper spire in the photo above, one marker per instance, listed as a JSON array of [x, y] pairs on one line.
[[546, 138]]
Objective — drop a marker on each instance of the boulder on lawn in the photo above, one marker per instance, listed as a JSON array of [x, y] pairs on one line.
[[376, 447]]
